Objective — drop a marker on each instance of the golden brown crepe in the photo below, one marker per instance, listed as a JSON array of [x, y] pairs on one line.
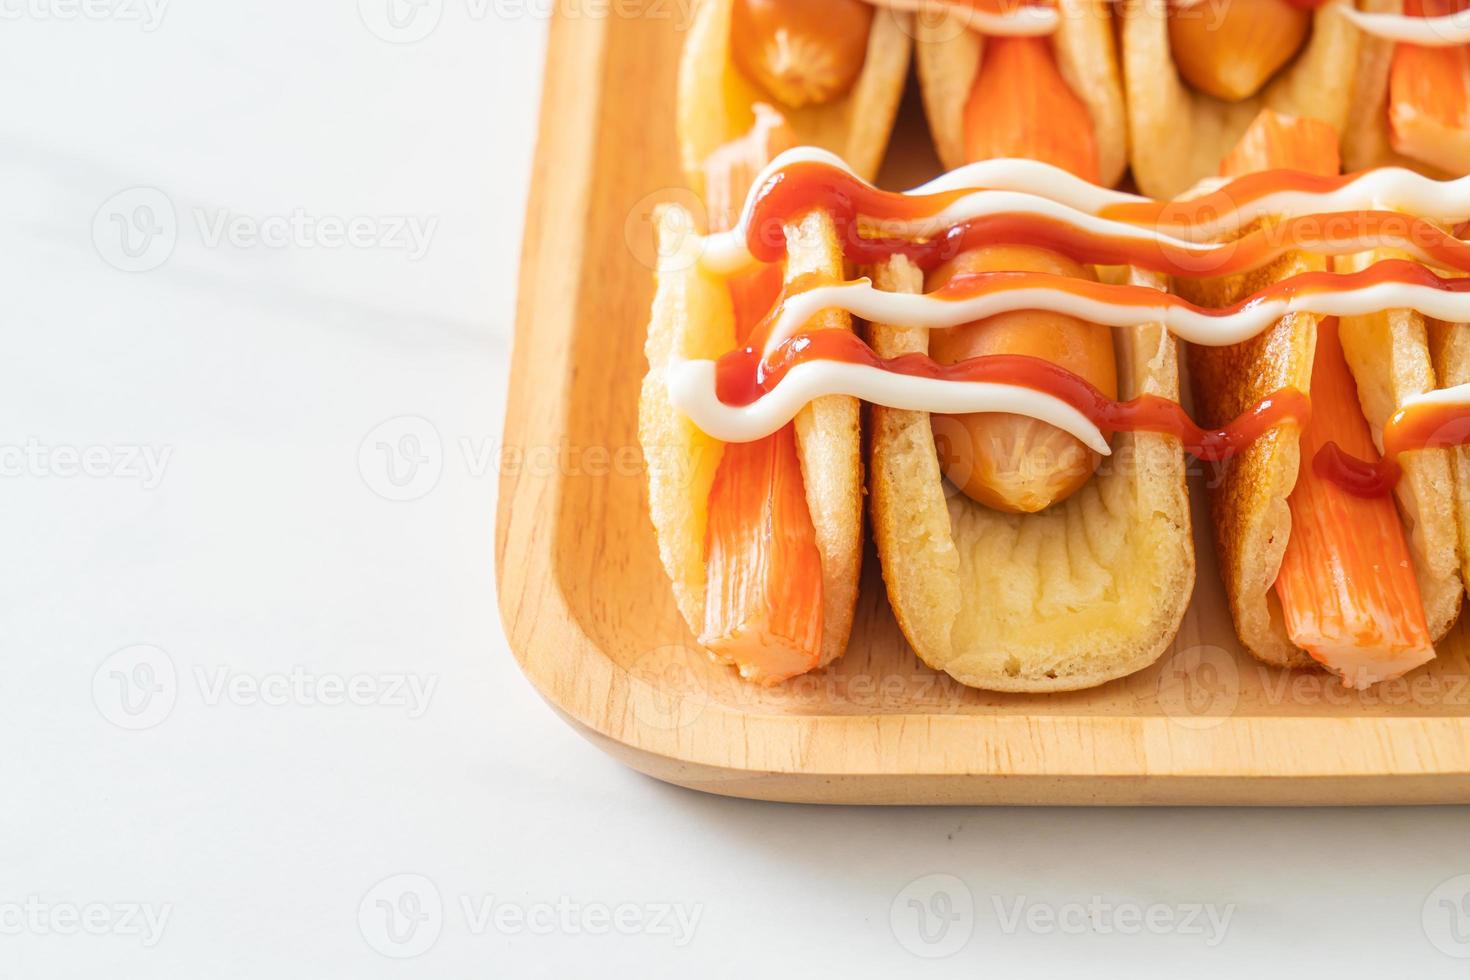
[[693, 318], [716, 102], [1388, 355], [1091, 589], [1178, 136], [1449, 346]]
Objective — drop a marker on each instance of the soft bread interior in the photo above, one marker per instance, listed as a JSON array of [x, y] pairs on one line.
[[1087, 591], [1177, 136], [716, 101], [948, 56], [1389, 358], [692, 317]]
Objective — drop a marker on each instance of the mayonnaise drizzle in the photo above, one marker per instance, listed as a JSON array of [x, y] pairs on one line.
[[1033, 20], [1379, 189], [1008, 186], [1447, 31], [1041, 190], [1029, 181], [1456, 395], [1207, 329], [692, 391]]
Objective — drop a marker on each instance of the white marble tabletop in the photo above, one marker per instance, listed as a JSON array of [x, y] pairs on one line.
[[258, 715]]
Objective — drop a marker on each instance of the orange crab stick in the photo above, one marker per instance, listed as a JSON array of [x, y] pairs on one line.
[[763, 598], [1429, 96], [1279, 142], [1346, 585], [763, 576], [1021, 100]]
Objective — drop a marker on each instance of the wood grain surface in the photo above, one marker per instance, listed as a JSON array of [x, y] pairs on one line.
[[590, 617]]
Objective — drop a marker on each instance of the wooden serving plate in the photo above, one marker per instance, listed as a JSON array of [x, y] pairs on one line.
[[590, 617]]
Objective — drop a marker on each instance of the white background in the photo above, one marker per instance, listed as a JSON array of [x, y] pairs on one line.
[[263, 829]]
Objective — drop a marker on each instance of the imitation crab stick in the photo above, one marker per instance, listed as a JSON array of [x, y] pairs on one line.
[[1347, 587], [1347, 584], [1279, 142], [763, 591], [1429, 96], [1022, 106], [763, 601]]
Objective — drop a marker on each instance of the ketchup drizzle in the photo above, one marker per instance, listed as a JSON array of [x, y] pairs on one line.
[[743, 375], [1358, 477], [1227, 199], [1384, 272], [803, 186]]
